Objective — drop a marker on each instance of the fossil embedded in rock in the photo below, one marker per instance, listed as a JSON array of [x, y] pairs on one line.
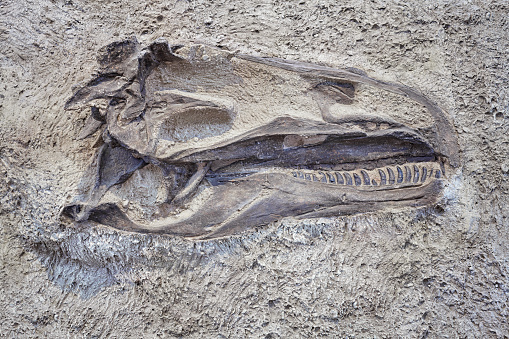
[[244, 141], [400, 174]]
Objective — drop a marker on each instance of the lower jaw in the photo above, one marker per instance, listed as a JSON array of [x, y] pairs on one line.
[[237, 205], [284, 195]]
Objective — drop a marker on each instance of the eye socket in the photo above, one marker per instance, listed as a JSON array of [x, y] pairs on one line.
[[196, 122], [341, 92]]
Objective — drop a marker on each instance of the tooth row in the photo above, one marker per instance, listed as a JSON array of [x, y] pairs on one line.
[[411, 174]]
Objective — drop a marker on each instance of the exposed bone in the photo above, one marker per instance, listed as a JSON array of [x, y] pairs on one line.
[[357, 179], [193, 183], [424, 174], [383, 180], [408, 174], [379, 174], [331, 178], [391, 176], [348, 179], [416, 174], [365, 176], [400, 174], [340, 180]]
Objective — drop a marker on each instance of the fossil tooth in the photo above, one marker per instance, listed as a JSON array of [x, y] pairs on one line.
[[357, 179], [340, 178], [365, 176], [383, 180], [391, 176], [408, 174], [424, 174], [416, 174], [412, 174], [400, 175], [332, 178], [348, 179]]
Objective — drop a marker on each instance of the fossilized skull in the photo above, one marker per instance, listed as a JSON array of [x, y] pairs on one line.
[[244, 141]]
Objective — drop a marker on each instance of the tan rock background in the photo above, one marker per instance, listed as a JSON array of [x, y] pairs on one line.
[[439, 272]]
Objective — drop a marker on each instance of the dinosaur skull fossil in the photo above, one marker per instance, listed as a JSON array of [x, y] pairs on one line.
[[244, 141]]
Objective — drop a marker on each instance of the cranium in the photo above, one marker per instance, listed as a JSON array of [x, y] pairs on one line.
[[244, 141]]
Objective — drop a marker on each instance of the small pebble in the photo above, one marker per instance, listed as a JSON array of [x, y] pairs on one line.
[[505, 168]]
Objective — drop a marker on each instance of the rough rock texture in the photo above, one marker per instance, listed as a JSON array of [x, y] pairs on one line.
[[437, 272]]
